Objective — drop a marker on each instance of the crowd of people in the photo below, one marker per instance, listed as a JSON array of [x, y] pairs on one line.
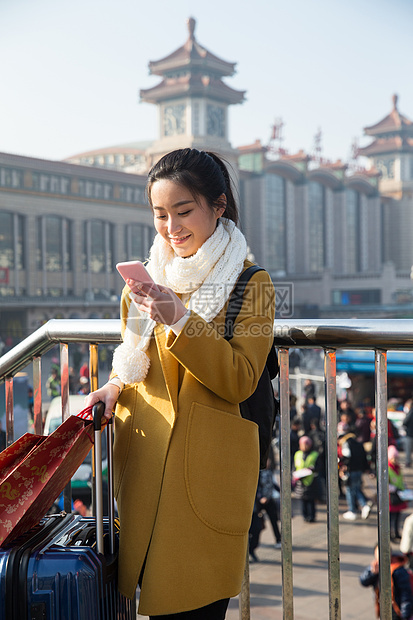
[[356, 450], [79, 382]]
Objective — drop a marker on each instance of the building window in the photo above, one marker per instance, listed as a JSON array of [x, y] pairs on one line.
[[135, 241], [6, 241], [54, 243], [138, 240], [67, 231], [316, 227], [11, 178], [50, 183], [352, 236], [275, 224], [98, 247], [195, 119], [132, 194], [215, 121], [11, 241], [107, 191]]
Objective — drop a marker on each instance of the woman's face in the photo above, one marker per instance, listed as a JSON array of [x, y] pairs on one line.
[[181, 220]]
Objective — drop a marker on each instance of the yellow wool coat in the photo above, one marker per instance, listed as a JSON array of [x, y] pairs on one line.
[[186, 463]]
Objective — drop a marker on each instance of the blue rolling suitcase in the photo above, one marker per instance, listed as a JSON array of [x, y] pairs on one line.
[[66, 567]]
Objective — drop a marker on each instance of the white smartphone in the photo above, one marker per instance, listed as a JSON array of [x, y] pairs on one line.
[[135, 270]]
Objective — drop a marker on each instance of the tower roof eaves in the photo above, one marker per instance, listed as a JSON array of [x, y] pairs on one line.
[[393, 122]]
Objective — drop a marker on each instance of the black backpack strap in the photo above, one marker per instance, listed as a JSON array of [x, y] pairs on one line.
[[233, 309], [236, 299]]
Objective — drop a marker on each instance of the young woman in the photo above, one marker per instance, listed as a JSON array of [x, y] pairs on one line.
[[186, 462], [396, 483]]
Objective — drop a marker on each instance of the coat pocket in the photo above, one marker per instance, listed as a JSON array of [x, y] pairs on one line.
[[221, 468]]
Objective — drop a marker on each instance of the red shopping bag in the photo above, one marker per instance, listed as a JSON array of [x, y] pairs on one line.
[[37, 469], [19, 450]]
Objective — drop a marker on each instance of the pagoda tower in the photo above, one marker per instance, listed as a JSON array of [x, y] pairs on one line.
[[192, 100], [391, 152]]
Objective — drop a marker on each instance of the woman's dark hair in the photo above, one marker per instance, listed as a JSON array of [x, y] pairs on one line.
[[202, 173]]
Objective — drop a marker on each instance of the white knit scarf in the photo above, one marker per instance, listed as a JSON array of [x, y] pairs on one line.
[[208, 276]]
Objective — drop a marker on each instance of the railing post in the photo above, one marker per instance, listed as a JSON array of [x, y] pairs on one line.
[[285, 480], [64, 379], [332, 485], [37, 396], [382, 474], [244, 597], [93, 385], [9, 410], [64, 392]]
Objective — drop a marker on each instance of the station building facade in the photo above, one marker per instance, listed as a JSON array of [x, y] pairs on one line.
[[63, 228]]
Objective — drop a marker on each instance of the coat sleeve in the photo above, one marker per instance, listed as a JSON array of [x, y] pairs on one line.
[[368, 578], [406, 543], [231, 369], [404, 592]]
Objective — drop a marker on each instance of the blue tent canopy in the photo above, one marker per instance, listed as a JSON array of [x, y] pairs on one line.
[[398, 362]]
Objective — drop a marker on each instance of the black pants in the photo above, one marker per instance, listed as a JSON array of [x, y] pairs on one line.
[[214, 611], [271, 508], [255, 530], [308, 509], [394, 524]]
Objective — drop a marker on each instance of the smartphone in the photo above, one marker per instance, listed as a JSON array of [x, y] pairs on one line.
[[135, 270]]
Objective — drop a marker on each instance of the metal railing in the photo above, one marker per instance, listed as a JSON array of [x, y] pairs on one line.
[[329, 335]]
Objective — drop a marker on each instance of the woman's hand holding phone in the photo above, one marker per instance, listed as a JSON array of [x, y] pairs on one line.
[[162, 305], [159, 302]]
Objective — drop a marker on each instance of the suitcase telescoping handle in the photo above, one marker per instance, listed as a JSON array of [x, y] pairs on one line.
[[98, 411]]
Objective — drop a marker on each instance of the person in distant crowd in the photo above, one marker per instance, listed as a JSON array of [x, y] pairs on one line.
[[3, 440], [84, 386], [396, 483], [352, 464], [345, 424], [309, 390], [392, 435], [2, 346], [362, 426], [406, 543], [267, 501], [318, 437], [30, 401], [401, 589], [53, 384], [72, 380], [408, 427], [55, 365], [312, 411], [294, 437], [345, 407], [305, 462], [84, 370], [293, 406]]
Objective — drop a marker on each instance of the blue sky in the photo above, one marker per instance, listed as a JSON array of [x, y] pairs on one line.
[[72, 70]]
